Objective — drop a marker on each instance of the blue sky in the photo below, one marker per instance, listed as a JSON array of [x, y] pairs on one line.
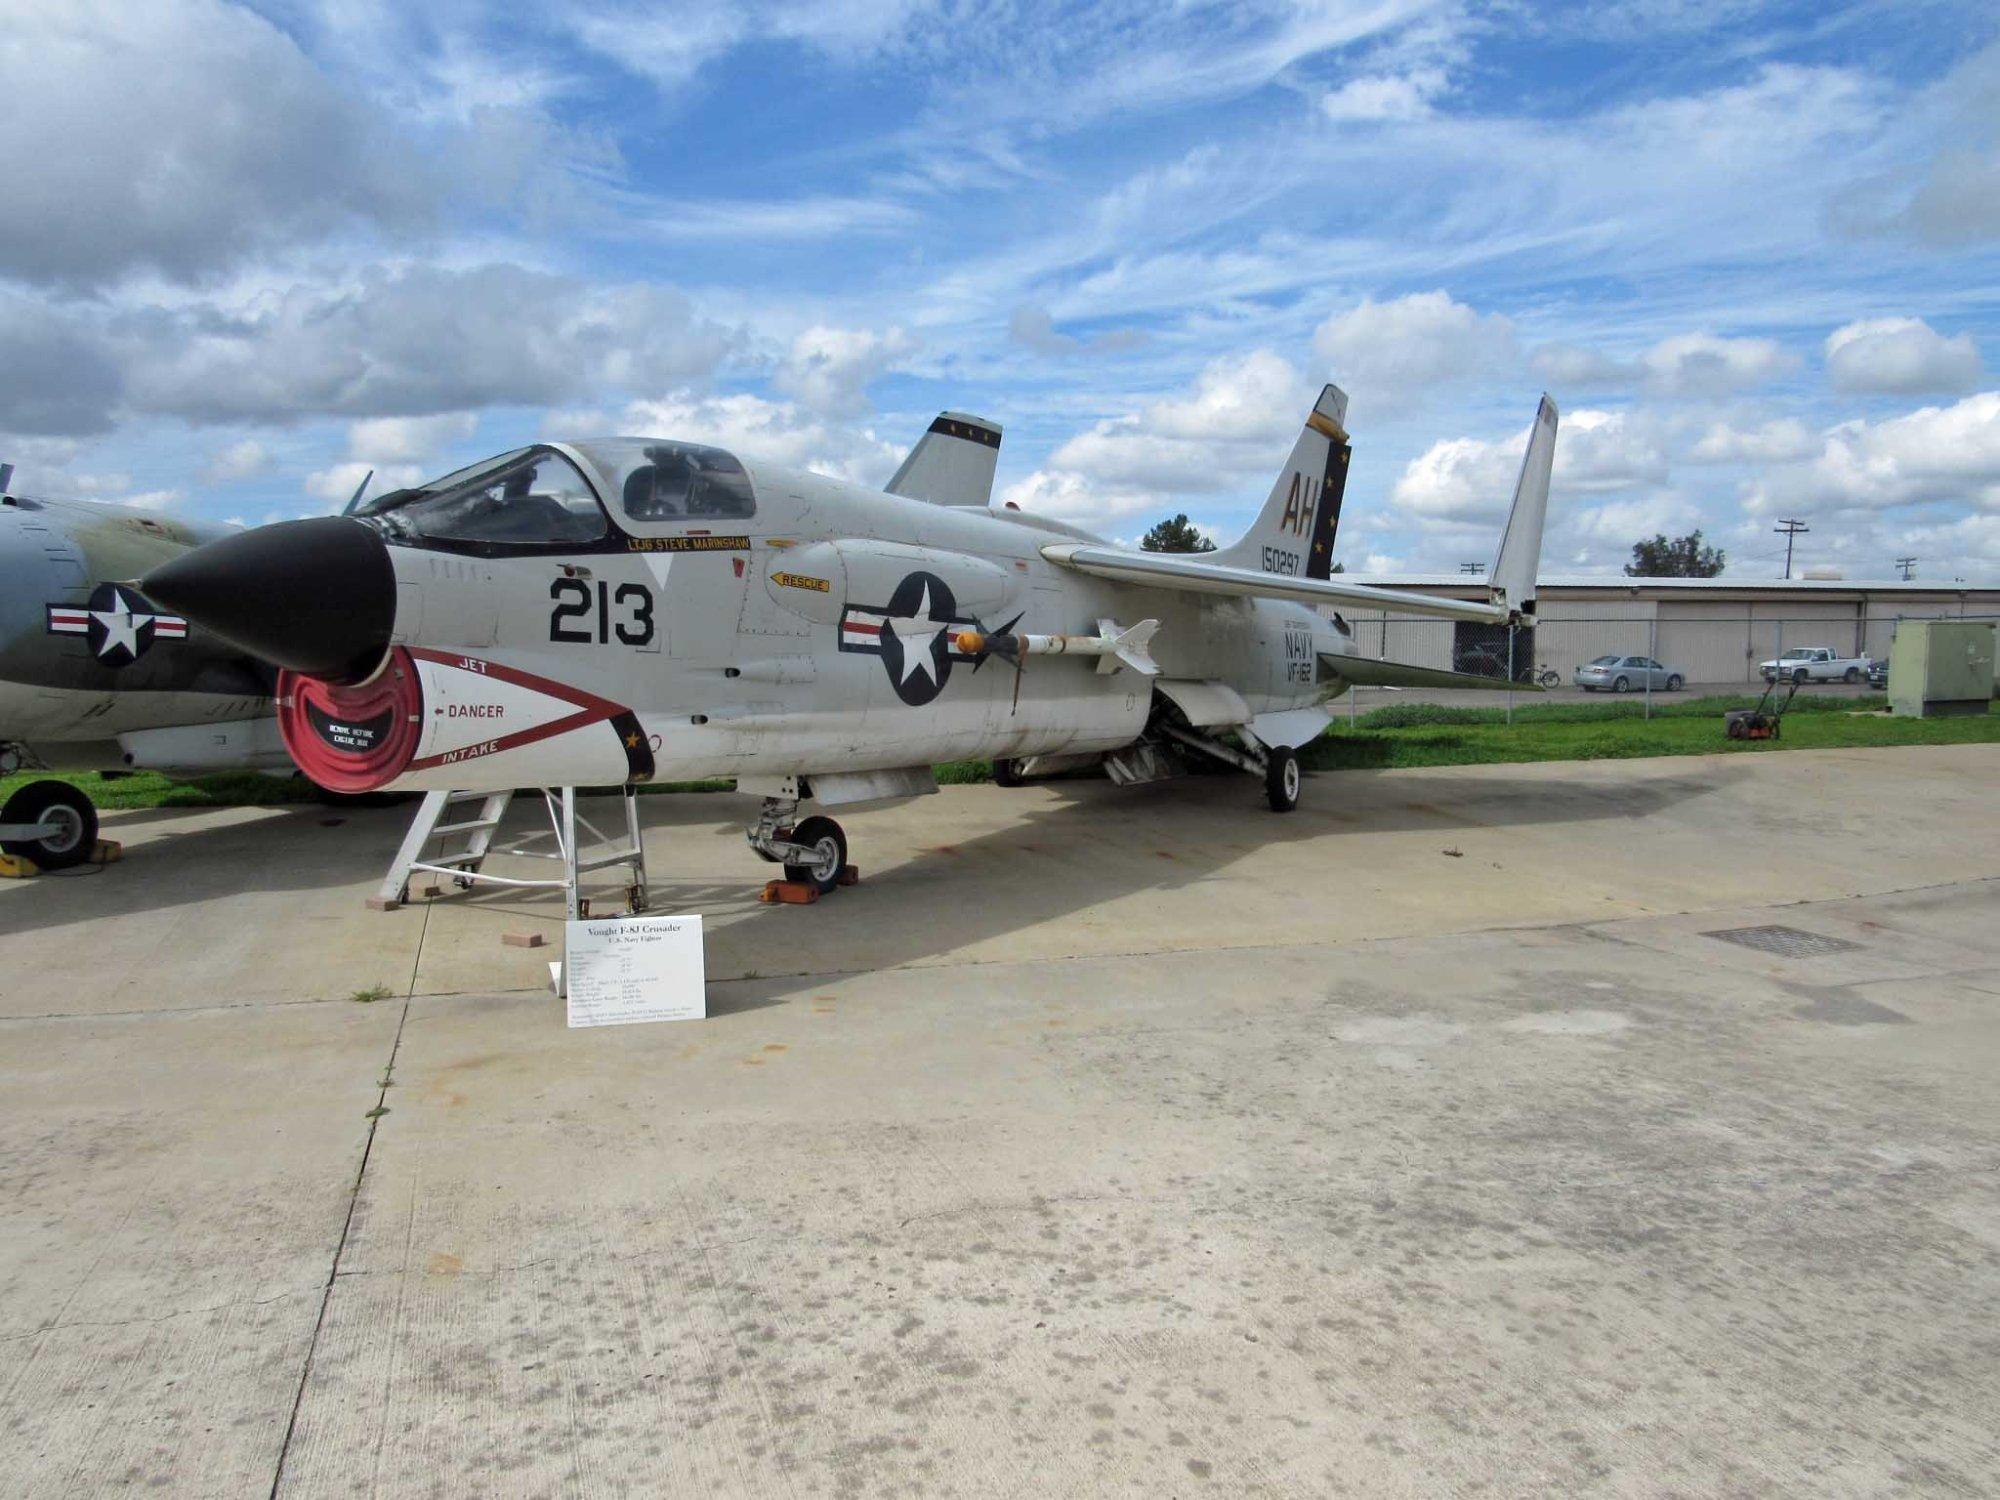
[[251, 251]]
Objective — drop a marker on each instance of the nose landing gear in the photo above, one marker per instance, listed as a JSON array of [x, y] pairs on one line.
[[812, 850]]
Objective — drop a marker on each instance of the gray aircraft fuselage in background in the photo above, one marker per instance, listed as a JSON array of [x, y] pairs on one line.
[[623, 610], [85, 659]]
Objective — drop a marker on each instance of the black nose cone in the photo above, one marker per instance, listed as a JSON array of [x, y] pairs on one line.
[[317, 596]]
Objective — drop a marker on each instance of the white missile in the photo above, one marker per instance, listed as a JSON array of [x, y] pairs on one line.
[[1113, 646]]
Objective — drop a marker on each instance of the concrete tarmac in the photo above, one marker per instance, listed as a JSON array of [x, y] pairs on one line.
[[1429, 1140]]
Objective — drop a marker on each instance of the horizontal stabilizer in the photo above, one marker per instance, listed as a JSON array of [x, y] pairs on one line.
[[1366, 671]]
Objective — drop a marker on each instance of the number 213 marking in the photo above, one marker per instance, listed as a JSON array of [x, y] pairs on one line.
[[592, 611]]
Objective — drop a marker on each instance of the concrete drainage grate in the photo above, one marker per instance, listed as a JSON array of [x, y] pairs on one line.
[[1786, 942]]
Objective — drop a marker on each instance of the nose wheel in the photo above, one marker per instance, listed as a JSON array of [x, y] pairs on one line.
[[51, 823], [813, 850], [827, 856]]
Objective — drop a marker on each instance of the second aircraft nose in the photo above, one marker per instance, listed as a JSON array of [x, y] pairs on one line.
[[316, 596]]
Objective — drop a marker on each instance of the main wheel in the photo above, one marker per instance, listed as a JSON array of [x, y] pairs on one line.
[[829, 854], [1281, 780], [1851, 676], [1622, 685], [70, 817], [1008, 773], [1799, 677], [1674, 682]]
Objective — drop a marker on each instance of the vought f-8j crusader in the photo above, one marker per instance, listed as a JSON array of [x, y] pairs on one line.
[[632, 609]]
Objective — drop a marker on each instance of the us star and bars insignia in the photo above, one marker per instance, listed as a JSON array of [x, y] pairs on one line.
[[120, 626], [913, 634]]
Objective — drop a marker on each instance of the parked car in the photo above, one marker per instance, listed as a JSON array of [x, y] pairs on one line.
[[1814, 664], [1878, 673], [1625, 674]]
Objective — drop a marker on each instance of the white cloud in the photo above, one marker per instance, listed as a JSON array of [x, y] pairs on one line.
[[412, 341], [1937, 454], [334, 486], [1067, 496], [238, 461], [1703, 364], [742, 221], [828, 369], [1034, 328], [1238, 418], [57, 376], [387, 440], [1466, 480], [1227, 433], [1572, 367], [184, 136], [1385, 97], [1382, 350], [778, 432], [1900, 356], [1782, 440]]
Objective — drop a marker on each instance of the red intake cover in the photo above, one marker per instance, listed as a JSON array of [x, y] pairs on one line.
[[353, 739]]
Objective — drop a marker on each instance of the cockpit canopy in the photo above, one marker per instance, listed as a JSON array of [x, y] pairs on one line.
[[536, 499], [661, 481]]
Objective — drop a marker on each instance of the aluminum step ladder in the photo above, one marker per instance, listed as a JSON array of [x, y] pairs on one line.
[[455, 833]]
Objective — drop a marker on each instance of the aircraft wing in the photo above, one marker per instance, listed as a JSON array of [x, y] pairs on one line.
[[1178, 570], [1366, 671]]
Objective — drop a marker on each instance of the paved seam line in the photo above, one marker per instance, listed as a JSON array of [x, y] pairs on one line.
[[347, 1224]]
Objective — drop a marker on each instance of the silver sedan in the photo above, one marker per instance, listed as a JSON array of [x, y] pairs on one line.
[[1625, 674]]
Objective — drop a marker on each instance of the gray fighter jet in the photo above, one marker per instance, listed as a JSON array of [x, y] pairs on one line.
[[94, 677], [613, 611]]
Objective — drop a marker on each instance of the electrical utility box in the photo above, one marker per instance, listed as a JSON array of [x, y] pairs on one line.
[[1941, 667]]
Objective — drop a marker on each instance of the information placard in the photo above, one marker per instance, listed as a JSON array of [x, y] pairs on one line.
[[623, 970]]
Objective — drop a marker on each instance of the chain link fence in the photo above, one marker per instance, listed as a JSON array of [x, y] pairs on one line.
[[1708, 647]]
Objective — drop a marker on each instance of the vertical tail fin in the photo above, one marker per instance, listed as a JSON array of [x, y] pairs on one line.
[[953, 462], [1294, 532], [1520, 556]]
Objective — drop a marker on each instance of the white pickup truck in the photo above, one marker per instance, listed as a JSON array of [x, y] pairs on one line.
[[1814, 664]]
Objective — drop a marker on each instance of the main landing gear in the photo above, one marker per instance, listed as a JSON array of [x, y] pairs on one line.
[[812, 850], [1277, 765]]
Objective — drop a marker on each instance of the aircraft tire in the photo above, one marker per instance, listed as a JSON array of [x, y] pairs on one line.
[[1008, 773], [1282, 778], [829, 844], [76, 817]]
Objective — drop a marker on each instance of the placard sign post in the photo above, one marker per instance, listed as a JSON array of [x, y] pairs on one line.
[[620, 970]]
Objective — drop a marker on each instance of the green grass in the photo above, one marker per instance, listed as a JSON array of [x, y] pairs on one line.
[[1615, 731], [150, 789], [1402, 734]]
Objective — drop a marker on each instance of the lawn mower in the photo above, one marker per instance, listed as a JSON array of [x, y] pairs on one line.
[[1761, 722]]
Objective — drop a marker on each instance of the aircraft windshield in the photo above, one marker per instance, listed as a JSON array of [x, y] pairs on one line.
[[533, 497], [661, 481]]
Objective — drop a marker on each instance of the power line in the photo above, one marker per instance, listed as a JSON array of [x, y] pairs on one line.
[[1790, 530], [1473, 568], [1909, 567]]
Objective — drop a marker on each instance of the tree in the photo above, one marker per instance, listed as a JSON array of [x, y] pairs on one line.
[[1176, 534], [1682, 557]]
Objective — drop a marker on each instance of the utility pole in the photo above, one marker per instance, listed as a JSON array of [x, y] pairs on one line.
[[1789, 530], [1909, 567], [1475, 569]]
